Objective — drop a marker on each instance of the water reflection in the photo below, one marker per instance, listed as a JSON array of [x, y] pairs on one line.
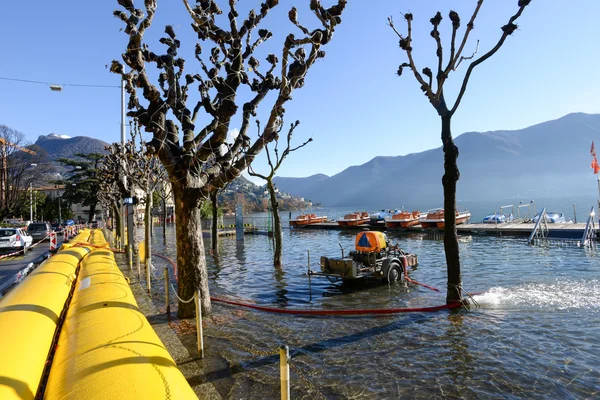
[[534, 335]]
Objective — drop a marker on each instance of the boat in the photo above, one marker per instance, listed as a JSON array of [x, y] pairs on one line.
[[307, 219], [551, 217], [462, 217], [432, 217], [496, 218], [435, 218], [404, 219], [380, 216], [354, 219]]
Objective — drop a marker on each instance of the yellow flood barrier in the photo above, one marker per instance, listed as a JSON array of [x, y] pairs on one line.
[[107, 349], [28, 319]]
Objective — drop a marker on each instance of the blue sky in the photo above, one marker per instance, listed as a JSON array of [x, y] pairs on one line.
[[353, 105]]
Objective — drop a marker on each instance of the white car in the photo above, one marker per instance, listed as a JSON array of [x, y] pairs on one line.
[[14, 239]]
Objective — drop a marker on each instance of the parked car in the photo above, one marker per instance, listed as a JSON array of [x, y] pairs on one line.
[[551, 217], [14, 239], [39, 230]]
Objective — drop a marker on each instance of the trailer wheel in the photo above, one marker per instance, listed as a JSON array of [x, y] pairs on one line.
[[394, 272]]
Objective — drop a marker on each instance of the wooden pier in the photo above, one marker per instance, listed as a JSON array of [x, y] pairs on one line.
[[567, 230]]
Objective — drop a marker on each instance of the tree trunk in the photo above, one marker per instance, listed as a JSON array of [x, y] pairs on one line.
[[451, 176], [277, 234], [214, 237], [148, 237], [92, 213], [117, 223], [192, 273]]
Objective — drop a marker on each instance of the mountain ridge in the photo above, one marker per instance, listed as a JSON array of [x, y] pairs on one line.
[[543, 159]]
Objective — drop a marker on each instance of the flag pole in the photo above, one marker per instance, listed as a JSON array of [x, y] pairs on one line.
[[598, 210]]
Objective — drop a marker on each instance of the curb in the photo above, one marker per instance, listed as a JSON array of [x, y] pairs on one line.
[[20, 275]]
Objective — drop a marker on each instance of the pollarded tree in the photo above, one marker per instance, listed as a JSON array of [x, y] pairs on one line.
[[273, 167], [144, 171], [113, 188], [231, 82], [438, 101]]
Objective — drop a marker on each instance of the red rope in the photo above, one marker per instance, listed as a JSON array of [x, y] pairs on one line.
[[419, 283], [172, 264], [330, 312], [338, 312]]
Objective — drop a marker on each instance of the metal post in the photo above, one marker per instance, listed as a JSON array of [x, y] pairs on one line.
[[30, 202], [149, 283], [59, 212], [199, 333], [598, 199], [575, 213], [122, 233], [284, 366], [168, 308]]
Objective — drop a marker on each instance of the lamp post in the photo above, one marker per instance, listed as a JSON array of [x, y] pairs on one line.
[[30, 202], [33, 165]]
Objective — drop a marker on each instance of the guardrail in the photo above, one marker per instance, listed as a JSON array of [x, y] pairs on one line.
[[590, 229]]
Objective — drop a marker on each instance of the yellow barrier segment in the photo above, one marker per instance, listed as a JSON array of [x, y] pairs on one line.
[[28, 318], [107, 349]]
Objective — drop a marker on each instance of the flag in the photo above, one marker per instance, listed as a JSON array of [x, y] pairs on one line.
[[595, 165], [593, 150]]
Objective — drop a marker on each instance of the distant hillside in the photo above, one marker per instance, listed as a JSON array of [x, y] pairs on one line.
[[59, 146], [544, 160]]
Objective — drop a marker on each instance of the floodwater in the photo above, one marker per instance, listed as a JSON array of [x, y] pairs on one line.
[[534, 333]]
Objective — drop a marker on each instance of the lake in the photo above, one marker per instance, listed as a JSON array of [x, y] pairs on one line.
[[534, 333]]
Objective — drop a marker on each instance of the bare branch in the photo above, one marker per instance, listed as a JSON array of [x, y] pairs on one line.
[[467, 58], [405, 44], [507, 30]]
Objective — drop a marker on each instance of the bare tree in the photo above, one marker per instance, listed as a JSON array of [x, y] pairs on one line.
[[438, 101], [202, 161], [273, 167], [16, 172]]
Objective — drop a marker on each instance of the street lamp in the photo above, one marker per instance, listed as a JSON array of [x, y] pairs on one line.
[[31, 196]]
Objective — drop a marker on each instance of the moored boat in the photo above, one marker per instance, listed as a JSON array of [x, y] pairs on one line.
[[462, 217], [354, 219], [307, 219], [432, 218], [405, 219]]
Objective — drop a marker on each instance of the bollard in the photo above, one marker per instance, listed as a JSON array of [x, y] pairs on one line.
[[168, 308], [66, 234], [53, 241], [284, 366], [148, 272], [199, 334]]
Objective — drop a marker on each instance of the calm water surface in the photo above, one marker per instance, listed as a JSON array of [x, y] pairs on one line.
[[535, 334]]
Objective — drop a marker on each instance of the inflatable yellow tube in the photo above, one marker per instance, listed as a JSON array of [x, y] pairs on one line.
[[28, 318], [78, 240], [107, 349]]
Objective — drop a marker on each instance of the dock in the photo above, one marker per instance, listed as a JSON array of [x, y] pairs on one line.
[[568, 230]]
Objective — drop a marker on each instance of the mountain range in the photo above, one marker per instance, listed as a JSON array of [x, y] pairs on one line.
[[59, 146], [544, 160]]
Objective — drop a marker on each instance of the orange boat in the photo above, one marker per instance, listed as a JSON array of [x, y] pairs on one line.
[[461, 218], [307, 219], [432, 218], [435, 218], [354, 219], [405, 219]]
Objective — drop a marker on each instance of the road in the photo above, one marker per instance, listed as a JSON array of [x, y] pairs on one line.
[[11, 266]]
